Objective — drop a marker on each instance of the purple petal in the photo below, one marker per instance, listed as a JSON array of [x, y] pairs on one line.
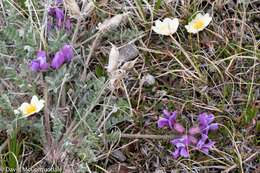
[[213, 126], [205, 150], [209, 145], [162, 122], [176, 153], [67, 51], [51, 11], [175, 141], [59, 17], [192, 140], [180, 145], [203, 119], [210, 118], [174, 115], [202, 141], [35, 65], [205, 130], [179, 128], [59, 2], [194, 130], [184, 152], [39, 64], [41, 54], [185, 140], [172, 119], [58, 14], [44, 66], [166, 113], [58, 60], [205, 147]]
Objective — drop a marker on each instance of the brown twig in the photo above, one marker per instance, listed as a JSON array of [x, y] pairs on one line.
[[91, 52], [46, 122], [146, 136]]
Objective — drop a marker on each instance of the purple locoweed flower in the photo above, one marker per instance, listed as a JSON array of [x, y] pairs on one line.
[[205, 123], [58, 60], [65, 54], [181, 145], [58, 2], [169, 120], [196, 136], [194, 130], [205, 144], [58, 15], [40, 63]]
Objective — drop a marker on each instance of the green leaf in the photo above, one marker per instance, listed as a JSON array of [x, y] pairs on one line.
[[249, 114]]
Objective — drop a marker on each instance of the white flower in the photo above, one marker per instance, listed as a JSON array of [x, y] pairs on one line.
[[198, 23], [27, 109], [166, 27]]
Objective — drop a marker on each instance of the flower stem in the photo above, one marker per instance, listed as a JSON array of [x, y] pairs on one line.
[[188, 57]]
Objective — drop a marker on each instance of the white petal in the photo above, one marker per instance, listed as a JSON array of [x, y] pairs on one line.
[[23, 106], [27, 115], [206, 15], [158, 22], [174, 24], [198, 16], [190, 29], [157, 30], [166, 27], [207, 20], [39, 105], [166, 30], [167, 20], [34, 99]]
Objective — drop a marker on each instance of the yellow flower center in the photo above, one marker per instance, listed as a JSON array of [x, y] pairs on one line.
[[164, 28], [198, 24], [31, 108]]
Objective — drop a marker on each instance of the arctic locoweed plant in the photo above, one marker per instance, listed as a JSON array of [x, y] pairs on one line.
[[62, 56], [196, 136]]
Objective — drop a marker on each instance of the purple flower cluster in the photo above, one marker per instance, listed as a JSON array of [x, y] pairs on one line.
[[64, 55], [40, 63], [58, 17], [196, 136]]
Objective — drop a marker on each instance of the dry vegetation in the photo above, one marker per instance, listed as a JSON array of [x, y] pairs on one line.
[[100, 118]]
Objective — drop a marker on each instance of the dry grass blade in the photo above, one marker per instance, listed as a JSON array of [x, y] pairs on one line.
[[105, 109], [73, 8], [88, 9], [112, 23]]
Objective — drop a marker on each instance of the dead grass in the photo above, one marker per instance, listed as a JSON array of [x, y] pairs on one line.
[[214, 71]]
